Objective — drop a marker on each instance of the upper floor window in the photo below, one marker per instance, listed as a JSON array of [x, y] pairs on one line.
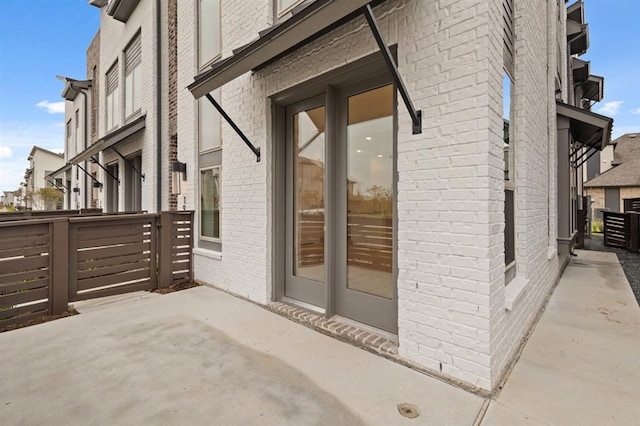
[[77, 131], [208, 31], [113, 98], [70, 152], [283, 6], [132, 76], [209, 123], [210, 203]]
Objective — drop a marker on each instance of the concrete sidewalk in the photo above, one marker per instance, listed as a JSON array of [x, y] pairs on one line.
[[581, 365], [200, 356]]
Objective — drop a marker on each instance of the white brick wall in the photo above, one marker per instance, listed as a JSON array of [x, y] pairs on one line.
[[451, 292], [537, 263], [115, 36]]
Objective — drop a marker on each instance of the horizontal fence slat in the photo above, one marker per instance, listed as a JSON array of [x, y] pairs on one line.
[[114, 269], [180, 275], [111, 240], [111, 291], [24, 297], [111, 261], [10, 266], [24, 251], [24, 276], [113, 230], [33, 307], [24, 241], [112, 252], [22, 286], [22, 318], [114, 279], [20, 230]]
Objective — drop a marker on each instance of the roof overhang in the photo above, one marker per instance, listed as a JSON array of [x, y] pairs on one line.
[[575, 12], [586, 127], [121, 10], [580, 69], [577, 37], [593, 88], [73, 87], [58, 172], [308, 21], [112, 138], [98, 3]]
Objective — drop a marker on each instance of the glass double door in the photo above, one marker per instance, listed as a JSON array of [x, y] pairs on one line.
[[340, 204]]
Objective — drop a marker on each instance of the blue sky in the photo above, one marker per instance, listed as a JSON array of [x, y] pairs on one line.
[[42, 38], [38, 39]]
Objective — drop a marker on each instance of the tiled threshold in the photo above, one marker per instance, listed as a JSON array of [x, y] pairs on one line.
[[337, 329]]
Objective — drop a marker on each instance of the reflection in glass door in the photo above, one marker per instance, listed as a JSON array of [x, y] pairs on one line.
[[306, 204], [366, 290], [370, 192]]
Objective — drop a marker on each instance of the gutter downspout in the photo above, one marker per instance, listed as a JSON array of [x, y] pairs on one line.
[[158, 107], [86, 135]]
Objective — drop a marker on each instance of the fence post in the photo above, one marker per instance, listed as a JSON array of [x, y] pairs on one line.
[[605, 240], [634, 232], [165, 249], [191, 240], [59, 261]]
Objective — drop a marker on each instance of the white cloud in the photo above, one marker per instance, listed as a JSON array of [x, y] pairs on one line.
[[610, 108], [17, 138], [635, 111], [52, 107], [5, 152]]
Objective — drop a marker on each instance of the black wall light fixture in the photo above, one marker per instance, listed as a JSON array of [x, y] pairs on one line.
[[178, 170]]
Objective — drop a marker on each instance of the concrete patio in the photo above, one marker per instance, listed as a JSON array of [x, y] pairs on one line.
[[200, 356]]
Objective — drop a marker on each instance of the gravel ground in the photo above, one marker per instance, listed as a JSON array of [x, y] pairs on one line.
[[630, 261]]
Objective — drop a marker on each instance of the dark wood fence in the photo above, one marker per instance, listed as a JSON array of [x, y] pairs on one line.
[[35, 214], [631, 204], [622, 230], [47, 263]]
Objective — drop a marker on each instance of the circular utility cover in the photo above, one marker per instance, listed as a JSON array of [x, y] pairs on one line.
[[410, 411]]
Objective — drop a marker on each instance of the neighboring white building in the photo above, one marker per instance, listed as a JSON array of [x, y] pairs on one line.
[[117, 132], [41, 163]]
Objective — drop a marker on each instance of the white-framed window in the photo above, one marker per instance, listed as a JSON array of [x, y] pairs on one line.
[[208, 31], [113, 98], [209, 124], [79, 146], [509, 172], [283, 6], [71, 152], [132, 77], [210, 203]]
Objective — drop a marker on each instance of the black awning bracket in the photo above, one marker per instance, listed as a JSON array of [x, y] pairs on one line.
[[95, 161], [90, 175], [228, 119], [576, 164], [129, 162], [62, 187], [416, 115]]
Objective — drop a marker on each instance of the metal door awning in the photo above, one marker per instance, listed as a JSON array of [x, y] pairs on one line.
[[90, 175], [307, 22], [590, 130], [111, 139]]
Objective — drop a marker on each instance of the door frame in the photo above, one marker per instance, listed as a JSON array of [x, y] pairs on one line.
[[328, 85]]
